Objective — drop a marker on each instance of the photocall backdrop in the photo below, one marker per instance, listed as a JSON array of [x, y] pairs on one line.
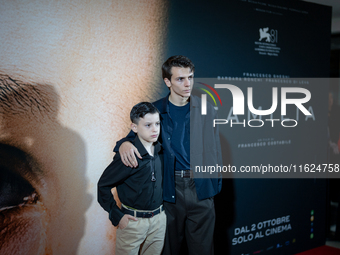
[[247, 44], [69, 75]]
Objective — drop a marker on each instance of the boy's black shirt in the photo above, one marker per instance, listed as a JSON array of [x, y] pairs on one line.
[[134, 185]]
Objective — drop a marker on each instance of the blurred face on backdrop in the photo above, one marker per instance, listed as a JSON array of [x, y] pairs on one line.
[[70, 72]]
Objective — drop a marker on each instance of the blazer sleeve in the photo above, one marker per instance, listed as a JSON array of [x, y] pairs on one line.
[[130, 137], [218, 151]]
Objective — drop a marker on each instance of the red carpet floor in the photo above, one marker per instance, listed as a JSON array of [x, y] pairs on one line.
[[323, 250]]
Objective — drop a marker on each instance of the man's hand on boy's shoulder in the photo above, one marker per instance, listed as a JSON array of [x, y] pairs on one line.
[[124, 221], [128, 154]]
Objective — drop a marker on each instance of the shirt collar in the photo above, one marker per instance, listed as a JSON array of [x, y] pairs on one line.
[[140, 147]]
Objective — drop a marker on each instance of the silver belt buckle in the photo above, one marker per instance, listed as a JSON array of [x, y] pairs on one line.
[[182, 173]]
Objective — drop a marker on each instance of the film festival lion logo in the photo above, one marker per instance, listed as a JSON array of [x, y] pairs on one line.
[[271, 35]]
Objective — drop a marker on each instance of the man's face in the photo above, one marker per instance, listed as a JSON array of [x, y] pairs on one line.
[[148, 127], [66, 89], [182, 81]]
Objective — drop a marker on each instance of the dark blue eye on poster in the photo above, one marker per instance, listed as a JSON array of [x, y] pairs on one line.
[[262, 39]]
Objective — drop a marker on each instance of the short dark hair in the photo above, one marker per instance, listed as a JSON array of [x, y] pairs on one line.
[[140, 110], [178, 61]]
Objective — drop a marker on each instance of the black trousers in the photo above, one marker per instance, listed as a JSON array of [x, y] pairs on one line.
[[189, 219]]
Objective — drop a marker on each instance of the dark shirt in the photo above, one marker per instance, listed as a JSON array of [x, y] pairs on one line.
[[134, 186], [205, 187], [180, 140]]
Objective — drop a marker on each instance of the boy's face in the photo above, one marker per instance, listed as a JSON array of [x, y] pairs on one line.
[[182, 81], [148, 127]]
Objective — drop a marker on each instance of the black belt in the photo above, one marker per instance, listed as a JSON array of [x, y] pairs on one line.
[[141, 213], [184, 173]]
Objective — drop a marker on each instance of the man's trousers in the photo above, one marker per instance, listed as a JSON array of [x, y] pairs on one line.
[[189, 218]]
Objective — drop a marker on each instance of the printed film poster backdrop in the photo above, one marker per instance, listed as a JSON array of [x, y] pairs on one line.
[[70, 73], [262, 44]]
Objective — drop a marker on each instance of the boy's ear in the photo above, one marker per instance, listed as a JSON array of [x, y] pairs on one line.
[[167, 82], [134, 127]]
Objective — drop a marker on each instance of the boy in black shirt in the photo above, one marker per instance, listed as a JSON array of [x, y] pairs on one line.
[[141, 220]]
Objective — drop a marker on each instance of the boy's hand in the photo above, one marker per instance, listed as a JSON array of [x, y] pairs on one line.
[[128, 154], [124, 221]]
